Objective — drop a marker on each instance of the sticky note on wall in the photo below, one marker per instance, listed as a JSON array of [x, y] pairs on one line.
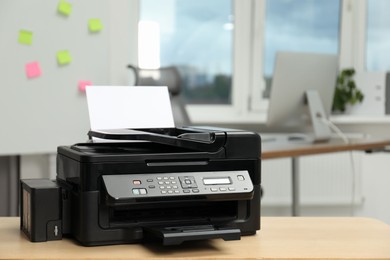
[[33, 70], [95, 25], [83, 84], [25, 37], [64, 8], [63, 57]]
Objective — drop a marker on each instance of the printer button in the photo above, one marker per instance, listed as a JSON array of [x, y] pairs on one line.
[[136, 191], [143, 191], [159, 178], [171, 178], [186, 191], [163, 192], [149, 180], [187, 182], [136, 182], [176, 191], [195, 190], [222, 189], [152, 186], [170, 191], [165, 178], [240, 178], [161, 182], [214, 189], [232, 189]]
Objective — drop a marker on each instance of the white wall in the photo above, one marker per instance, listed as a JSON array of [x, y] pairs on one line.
[[121, 23], [40, 113], [119, 19]]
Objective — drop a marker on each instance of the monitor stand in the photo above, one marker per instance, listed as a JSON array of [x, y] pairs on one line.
[[321, 130]]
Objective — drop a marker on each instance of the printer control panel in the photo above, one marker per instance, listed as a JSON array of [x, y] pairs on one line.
[[210, 184]]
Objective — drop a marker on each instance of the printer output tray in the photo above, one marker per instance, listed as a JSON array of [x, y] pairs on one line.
[[190, 138], [179, 234]]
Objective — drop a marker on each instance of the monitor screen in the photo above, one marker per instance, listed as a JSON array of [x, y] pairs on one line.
[[294, 74]]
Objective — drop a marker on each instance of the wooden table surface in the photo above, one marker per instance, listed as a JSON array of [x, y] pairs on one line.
[[280, 147], [279, 238]]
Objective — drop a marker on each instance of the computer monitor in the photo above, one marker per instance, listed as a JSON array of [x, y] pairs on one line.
[[302, 92]]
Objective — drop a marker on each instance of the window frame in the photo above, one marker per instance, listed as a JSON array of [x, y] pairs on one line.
[[353, 34], [237, 111]]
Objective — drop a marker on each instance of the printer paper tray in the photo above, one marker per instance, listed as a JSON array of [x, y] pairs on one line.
[[178, 234]]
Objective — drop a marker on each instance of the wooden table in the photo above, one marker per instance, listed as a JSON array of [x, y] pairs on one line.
[[279, 238], [279, 147]]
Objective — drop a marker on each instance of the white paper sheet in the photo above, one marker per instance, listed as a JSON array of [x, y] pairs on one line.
[[112, 107]]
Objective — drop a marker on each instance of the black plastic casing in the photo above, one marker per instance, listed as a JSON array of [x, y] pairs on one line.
[[40, 210], [94, 222]]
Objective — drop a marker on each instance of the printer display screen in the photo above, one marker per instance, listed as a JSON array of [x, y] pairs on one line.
[[216, 181]]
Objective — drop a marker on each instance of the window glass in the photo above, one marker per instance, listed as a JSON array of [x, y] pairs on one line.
[[299, 25], [196, 36], [378, 39]]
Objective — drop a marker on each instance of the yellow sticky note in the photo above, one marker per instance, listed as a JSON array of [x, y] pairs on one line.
[[64, 8], [25, 37], [63, 57], [95, 25]]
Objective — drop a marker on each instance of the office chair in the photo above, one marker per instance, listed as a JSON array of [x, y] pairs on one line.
[[166, 76]]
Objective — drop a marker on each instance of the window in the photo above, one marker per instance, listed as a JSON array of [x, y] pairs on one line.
[[378, 40], [195, 36], [300, 25], [225, 49]]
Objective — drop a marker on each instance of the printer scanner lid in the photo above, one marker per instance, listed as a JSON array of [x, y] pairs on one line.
[[191, 142], [205, 139]]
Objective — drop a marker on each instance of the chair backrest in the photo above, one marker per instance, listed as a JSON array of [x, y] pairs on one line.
[[165, 76]]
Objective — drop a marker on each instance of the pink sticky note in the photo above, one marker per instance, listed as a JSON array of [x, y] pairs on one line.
[[83, 84], [33, 70]]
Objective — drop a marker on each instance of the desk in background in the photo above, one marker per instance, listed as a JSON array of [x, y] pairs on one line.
[[288, 237], [280, 147]]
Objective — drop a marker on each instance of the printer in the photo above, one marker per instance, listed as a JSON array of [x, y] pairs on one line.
[[161, 184]]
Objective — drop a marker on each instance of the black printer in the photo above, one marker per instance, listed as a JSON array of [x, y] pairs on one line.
[[170, 184]]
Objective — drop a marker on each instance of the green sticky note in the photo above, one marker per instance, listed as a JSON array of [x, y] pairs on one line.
[[64, 8], [63, 57], [95, 25], [25, 37]]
